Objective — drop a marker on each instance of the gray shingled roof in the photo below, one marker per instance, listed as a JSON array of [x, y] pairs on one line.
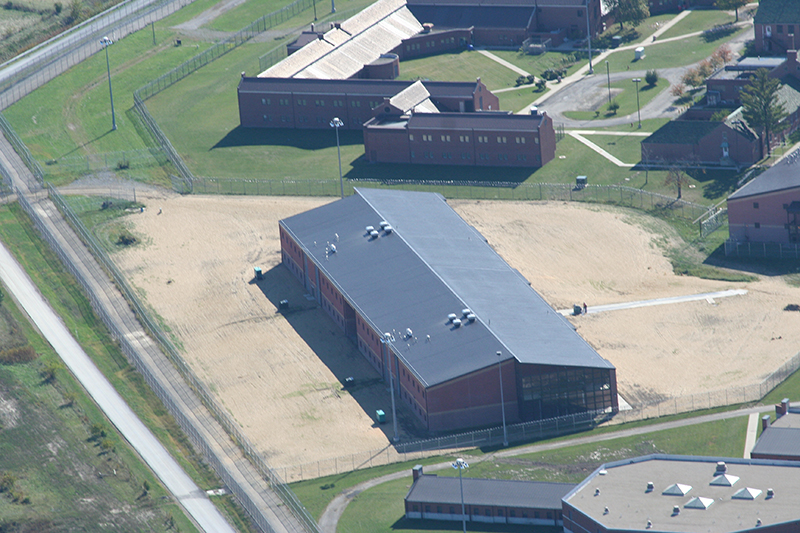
[[782, 176], [461, 16], [778, 441], [682, 132], [489, 492], [434, 264], [499, 122], [379, 88], [778, 12]]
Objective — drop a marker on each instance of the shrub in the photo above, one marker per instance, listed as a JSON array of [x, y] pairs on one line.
[[720, 116], [20, 354], [613, 106], [678, 89], [126, 238], [530, 78], [48, 371], [651, 78], [58, 7], [124, 164], [541, 84]]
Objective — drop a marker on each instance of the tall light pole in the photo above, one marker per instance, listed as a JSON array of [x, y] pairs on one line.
[[460, 465], [502, 399], [336, 123], [387, 340], [608, 77], [105, 42], [333, 6], [637, 81], [589, 37]]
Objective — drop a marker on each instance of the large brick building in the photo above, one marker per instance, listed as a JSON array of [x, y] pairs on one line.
[[777, 26], [482, 139], [767, 209], [424, 296]]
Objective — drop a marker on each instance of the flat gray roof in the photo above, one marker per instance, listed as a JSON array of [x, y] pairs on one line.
[[431, 265], [782, 176], [623, 491], [488, 492]]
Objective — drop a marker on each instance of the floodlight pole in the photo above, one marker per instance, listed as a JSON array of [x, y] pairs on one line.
[[502, 400], [333, 6], [608, 77], [105, 42], [589, 37], [460, 465], [637, 81], [336, 123], [315, 10], [387, 343]]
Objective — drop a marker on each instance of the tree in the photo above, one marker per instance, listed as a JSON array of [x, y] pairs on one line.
[[763, 110], [613, 106], [631, 11], [727, 5], [676, 178], [651, 78]]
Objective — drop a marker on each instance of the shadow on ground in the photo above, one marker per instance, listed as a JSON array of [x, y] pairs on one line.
[[336, 351], [392, 172], [309, 139], [405, 524]]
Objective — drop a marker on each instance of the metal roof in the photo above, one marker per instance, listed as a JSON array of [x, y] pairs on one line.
[[490, 492], [485, 121], [781, 176], [463, 16], [778, 441], [379, 88], [414, 97], [431, 265]]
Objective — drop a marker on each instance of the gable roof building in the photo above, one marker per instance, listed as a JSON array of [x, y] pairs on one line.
[[777, 26], [450, 305]]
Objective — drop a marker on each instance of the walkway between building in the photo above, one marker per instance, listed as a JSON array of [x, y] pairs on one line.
[[752, 432], [708, 296], [575, 135]]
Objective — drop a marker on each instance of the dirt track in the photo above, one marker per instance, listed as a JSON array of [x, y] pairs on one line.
[[280, 377]]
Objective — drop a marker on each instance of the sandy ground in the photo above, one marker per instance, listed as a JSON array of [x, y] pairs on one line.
[[280, 377]]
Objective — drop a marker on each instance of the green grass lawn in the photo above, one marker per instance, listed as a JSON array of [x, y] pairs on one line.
[[625, 148], [460, 66], [698, 20], [624, 93], [381, 508], [537, 64], [243, 14], [665, 55], [519, 99]]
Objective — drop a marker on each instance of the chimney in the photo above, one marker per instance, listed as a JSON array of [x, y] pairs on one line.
[[312, 27], [785, 404], [416, 472], [764, 422]]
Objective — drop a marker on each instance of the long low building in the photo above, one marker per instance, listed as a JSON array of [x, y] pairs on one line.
[[425, 298]]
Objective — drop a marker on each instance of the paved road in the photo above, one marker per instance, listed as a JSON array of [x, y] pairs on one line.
[[708, 296], [336, 508], [189, 495]]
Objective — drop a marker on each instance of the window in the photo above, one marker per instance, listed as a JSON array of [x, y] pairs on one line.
[[465, 155], [484, 157], [427, 138], [427, 508], [439, 509], [284, 118], [536, 514], [779, 28], [522, 157], [338, 103], [757, 225], [452, 510], [264, 101], [580, 12], [355, 103], [267, 118], [536, 140], [488, 512], [301, 101], [319, 103], [447, 155], [502, 157], [445, 138], [410, 136], [520, 140], [463, 138], [283, 101], [512, 513], [483, 139], [755, 205]]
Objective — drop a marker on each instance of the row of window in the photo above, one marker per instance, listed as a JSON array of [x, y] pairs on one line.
[[318, 103], [477, 511], [466, 156], [430, 44], [789, 28], [465, 139]]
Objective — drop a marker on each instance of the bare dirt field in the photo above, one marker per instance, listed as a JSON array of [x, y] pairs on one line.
[[280, 376]]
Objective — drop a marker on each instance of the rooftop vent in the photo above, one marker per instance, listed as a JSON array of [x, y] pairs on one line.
[[649, 524], [465, 312], [451, 317], [373, 234], [597, 492], [370, 229], [383, 224], [471, 317], [457, 323], [409, 333], [605, 511], [721, 468], [388, 229], [650, 486], [758, 522], [676, 510], [677, 489], [770, 493], [333, 248], [603, 472]]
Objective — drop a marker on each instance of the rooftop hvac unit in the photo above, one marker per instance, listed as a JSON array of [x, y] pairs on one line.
[[457, 323], [370, 229], [451, 317], [383, 224], [373, 234], [388, 229], [409, 333], [471, 317], [465, 312], [333, 248]]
